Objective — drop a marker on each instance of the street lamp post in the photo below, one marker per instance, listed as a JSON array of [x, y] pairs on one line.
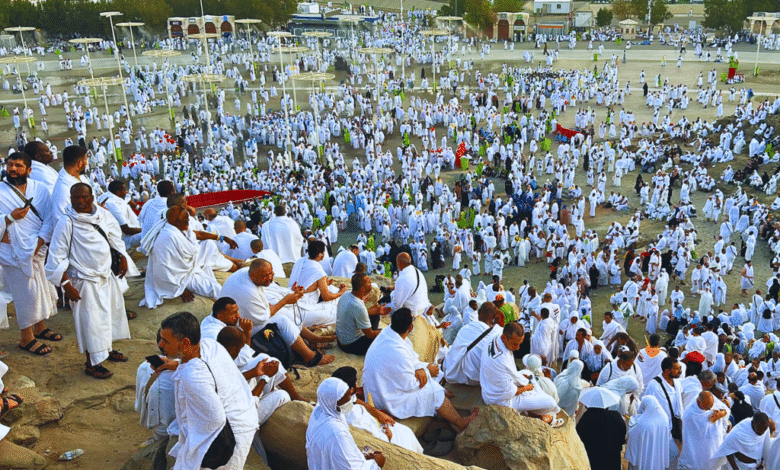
[[130, 25], [21, 30], [247, 22], [317, 35], [165, 54], [103, 83], [86, 42], [433, 33], [204, 38], [16, 60], [288, 146], [204, 78], [315, 77], [758, 47], [110, 15], [449, 20], [377, 51]]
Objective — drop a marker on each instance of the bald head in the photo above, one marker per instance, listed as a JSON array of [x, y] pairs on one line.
[[258, 265], [239, 226], [178, 217], [39, 152], [705, 400], [210, 214], [403, 260], [176, 199], [256, 245], [232, 339], [487, 313]]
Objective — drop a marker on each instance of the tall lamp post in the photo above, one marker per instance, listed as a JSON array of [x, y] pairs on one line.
[[317, 35], [130, 25], [449, 20], [203, 79], [247, 22], [21, 30], [165, 54], [315, 77], [86, 42], [288, 147], [433, 33], [103, 83], [110, 15], [758, 47], [204, 38], [16, 60], [377, 51]]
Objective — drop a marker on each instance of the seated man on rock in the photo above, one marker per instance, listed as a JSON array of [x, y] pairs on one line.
[[178, 265], [400, 383], [263, 373], [503, 385], [355, 327], [462, 362], [318, 295], [264, 302]]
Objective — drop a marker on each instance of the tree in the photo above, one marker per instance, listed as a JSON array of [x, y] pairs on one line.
[[659, 14], [622, 9], [603, 17], [723, 14], [509, 6], [477, 13]]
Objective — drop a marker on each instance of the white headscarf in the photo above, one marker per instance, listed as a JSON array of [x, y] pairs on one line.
[[595, 361], [329, 444], [649, 438], [622, 387], [569, 385]]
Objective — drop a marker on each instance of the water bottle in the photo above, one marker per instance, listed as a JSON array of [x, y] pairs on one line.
[[71, 454]]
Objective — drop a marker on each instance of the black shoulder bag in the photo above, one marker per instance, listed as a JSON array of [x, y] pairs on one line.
[[676, 422], [221, 449], [116, 255]]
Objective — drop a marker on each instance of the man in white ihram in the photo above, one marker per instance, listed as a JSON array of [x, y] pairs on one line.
[[503, 385], [80, 262], [411, 290], [114, 201], [462, 365], [210, 391], [74, 168], [345, 262], [178, 265], [154, 209], [283, 235], [23, 253]]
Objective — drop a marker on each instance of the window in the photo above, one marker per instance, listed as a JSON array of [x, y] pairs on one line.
[[557, 6]]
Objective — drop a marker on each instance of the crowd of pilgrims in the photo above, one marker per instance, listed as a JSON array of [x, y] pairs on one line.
[[342, 175]]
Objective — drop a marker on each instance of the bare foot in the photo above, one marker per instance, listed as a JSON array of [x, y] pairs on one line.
[[325, 339], [327, 359], [464, 422], [448, 394], [547, 419]]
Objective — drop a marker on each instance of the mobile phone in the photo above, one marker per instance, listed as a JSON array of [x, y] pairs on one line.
[[28, 203], [155, 361]]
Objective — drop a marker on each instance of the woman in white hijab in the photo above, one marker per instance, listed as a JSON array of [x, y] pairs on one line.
[[534, 364], [649, 437], [569, 385], [329, 444], [597, 358]]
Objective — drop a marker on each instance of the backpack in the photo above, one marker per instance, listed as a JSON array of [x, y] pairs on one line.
[[270, 341], [767, 313]]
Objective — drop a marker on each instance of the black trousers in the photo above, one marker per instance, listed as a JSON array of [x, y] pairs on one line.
[[358, 348]]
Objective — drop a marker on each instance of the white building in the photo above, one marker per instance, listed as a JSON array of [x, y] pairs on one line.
[[552, 7]]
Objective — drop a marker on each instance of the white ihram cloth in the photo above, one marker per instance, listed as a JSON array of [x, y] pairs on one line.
[[771, 453], [769, 405], [388, 375], [151, 213], [276, 262], [744, 440], [649, 437], [155, 402], [411, 291], [224, 226], [202, 406], [254, 304], [306, 272], [80, 250], [35, 299], [544, 340], [701, 438], [283, 235], [499, 379], [123, 214], [403, 436], [344, 264], [244, 241], [650, 366], [44, 174], [60, 195], [270, 399], [329, 444], [177, 262], [460, 366], [3, 369]]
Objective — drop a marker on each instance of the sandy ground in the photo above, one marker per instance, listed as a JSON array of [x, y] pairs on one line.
[[98, 415]]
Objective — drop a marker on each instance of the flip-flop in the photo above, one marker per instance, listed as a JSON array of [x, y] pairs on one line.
[[116, 356], [557, 422], [49, 335]]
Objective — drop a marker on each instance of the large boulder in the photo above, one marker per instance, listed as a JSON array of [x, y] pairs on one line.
[[16, 457], [501, 438], [284, 438]]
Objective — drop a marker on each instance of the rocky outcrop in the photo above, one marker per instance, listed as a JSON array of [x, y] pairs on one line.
[[16, 457], [284, 438], [501, 438]]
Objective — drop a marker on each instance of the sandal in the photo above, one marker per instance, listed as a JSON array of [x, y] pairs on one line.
[[98, 371], [557, 422], [37, 351], [5, 403], [49, 335], [116, 356], [315, 361]]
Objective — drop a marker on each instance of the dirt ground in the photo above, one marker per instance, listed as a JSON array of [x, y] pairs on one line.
[[99, 416]]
